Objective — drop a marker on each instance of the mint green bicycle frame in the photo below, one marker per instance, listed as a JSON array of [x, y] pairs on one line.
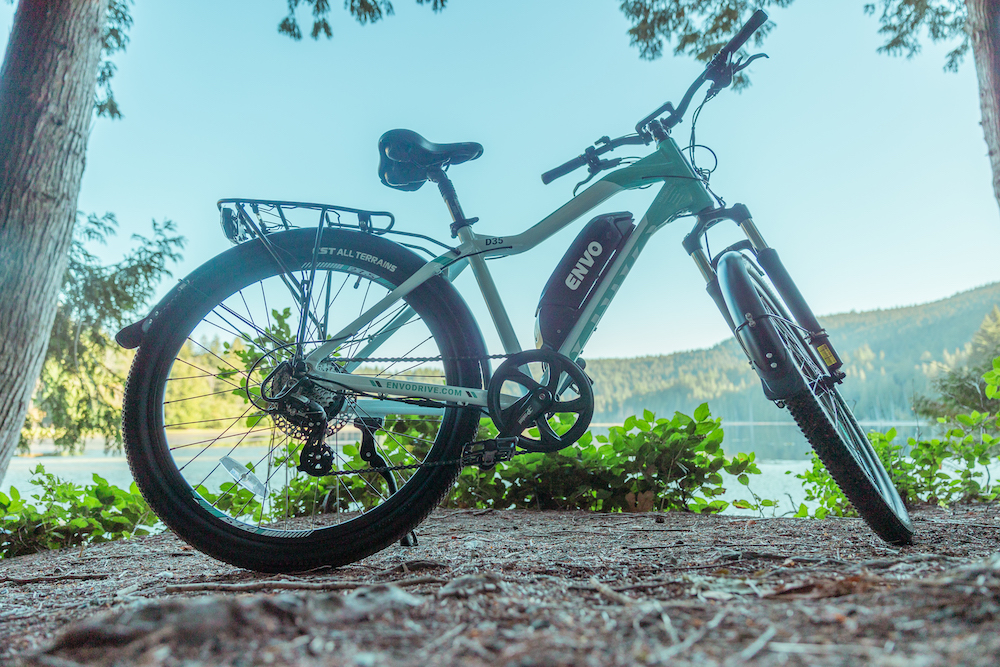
[[682, 192]]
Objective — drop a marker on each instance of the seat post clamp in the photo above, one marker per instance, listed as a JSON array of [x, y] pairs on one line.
[[458, 224]]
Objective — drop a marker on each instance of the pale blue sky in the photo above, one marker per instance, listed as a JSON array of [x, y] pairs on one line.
[[868, 173]]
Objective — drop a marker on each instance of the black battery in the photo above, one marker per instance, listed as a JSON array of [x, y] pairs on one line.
[[571, 283]]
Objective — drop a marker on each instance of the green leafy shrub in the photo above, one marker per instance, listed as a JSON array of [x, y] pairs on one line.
[[963, 385], [936, 471], [646, 464], [939, 471], [65, 514], [992, 378]]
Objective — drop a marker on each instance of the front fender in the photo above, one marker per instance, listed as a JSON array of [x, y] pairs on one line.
[[755, 329]]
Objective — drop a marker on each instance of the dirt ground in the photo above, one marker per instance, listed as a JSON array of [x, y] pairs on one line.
[[532, 588]]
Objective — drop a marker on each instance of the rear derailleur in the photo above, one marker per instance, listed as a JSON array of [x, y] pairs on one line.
[[305, 418]]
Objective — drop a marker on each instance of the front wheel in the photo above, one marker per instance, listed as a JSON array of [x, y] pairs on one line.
[[814, 401], [220, 465]]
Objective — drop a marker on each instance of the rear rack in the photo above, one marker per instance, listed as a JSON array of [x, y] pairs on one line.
[[245, 220]]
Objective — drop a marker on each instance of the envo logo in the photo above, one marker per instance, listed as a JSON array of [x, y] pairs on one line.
[[583, 265]]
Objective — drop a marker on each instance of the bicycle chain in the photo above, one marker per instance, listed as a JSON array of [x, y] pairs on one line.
[[420, 359], [464, 460], [382, 469]]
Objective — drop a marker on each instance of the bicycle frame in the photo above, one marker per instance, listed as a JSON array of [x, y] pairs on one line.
[[682, 193]]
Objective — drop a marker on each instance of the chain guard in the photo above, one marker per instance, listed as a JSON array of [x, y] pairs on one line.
[[561, 388]]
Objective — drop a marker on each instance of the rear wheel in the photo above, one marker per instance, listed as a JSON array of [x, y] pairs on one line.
[[220, 465], [832, 430]]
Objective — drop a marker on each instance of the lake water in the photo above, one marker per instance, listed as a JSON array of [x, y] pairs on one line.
[[779, 447]]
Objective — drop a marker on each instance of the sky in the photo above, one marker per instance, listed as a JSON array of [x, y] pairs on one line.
[[868, 173]]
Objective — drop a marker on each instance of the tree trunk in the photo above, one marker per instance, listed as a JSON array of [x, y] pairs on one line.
[[47, 87], [984, 30]]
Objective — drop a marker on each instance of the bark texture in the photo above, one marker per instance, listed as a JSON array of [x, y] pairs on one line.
[[47, 86], [984, 30]]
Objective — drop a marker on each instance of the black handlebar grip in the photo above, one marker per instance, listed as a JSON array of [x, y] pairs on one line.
[[563, 169], [755, 21]]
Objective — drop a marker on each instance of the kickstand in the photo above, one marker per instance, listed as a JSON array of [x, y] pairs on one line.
[[409, 540]]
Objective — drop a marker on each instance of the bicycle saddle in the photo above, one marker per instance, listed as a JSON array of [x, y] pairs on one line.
[[405, 157]]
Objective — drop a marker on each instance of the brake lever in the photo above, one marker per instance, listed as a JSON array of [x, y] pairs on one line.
[[721, 74], [595, 168], [742, 64]]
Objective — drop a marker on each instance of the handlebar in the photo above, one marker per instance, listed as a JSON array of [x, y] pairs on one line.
[[590, 156], [755, 21], [563, 169], [720, 71]]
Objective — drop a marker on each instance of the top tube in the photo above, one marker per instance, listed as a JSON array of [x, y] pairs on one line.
[[682, 192]]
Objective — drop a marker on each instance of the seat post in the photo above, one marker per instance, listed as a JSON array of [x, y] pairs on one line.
[[447, 188]]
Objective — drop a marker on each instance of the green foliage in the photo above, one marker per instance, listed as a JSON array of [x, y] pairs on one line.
[[364, 11], [992, 379], [905, 21], [79, 392], [699, 28], [695, 27], [963, 387], [113, 39], [402, 441], [66, 515], [644, 465], [936, 471]]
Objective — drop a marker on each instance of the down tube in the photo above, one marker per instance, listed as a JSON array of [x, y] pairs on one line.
[[665, 208]]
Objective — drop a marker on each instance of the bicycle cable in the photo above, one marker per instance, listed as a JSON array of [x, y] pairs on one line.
[[703, 174]]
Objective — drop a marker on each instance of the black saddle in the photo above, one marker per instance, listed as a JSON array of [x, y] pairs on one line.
[[405, 157]]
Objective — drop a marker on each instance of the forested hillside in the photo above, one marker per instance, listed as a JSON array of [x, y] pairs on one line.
[[890, 356]]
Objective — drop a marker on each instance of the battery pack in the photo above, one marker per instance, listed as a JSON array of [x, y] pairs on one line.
[[571, 283]]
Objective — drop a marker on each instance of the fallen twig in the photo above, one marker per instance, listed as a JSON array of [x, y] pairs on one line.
[[709, 566], [661, 530], [669, 626], [884, 563], [750, 555], [57, 577], [756, 647], [296, 585], [656, 583], [411, 566], [51, 661], [443, 639], [693, 638], [823, 649], [818, 560], [610, 593]]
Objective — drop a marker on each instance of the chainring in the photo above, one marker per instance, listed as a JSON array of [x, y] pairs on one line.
[[543, 390]]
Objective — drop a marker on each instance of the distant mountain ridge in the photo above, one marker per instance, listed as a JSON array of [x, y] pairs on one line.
[[889, 354]]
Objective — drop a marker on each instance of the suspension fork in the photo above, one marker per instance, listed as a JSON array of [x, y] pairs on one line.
[[771, 263]]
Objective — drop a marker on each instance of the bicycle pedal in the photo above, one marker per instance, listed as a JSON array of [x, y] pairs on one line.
[[487, 453]]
